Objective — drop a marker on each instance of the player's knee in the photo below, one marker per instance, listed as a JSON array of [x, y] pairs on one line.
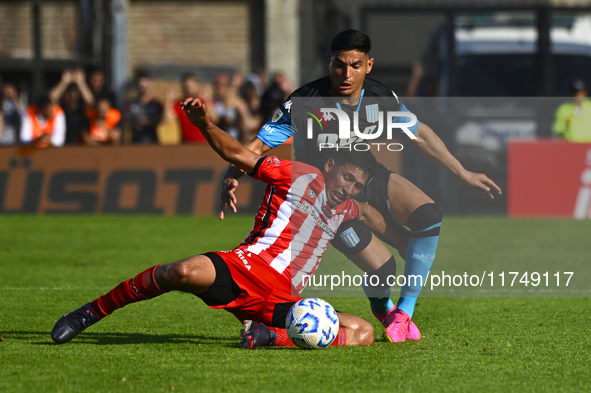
[[352, 238], [359, 331], [365, 333], [182, 272], [424, 216]]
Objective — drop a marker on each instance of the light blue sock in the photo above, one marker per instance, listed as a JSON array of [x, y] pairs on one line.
[[419, 259]]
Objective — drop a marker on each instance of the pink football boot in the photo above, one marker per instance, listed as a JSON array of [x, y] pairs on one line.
[[399, 326]]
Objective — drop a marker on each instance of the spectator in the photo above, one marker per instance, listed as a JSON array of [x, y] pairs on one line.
[[173, 112], [573, 119], [232, 112], [237, 80], [44, 124], [11, 115], [98, 87], [252, 98], [70, 99], [143, 113], [421, 84], [225, 106], [78, 77], [104, 124], [261, 75], [276, 93]]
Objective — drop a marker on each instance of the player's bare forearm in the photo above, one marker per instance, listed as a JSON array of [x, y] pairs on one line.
[[230, 182], [255, 145], [429, 144], [226, 146], [432, 146]]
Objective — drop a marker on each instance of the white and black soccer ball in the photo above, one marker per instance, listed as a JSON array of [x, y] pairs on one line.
[[312, 323]]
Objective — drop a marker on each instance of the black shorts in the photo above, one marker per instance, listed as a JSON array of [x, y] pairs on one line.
[[376, 191], [260, 293]]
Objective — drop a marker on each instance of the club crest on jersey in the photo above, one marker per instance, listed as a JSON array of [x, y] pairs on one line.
[[311, 194], [371, 113], [277, 116], [350, 238]]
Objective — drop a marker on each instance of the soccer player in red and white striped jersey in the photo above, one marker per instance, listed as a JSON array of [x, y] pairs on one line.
[[260, 279]]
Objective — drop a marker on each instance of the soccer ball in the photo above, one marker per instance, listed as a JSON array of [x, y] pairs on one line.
[[312, 323]]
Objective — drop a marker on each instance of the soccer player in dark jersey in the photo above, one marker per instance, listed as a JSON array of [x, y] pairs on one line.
[[348, 88], [260, 279]]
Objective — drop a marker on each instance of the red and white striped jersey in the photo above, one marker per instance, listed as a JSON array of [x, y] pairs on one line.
[[294, 224]]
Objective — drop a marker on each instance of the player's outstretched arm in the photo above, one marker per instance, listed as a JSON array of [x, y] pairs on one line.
[[430, 145], [226, 146], [230, 182]]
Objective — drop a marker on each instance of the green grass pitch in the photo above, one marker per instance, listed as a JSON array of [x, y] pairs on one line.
[[50, 265]]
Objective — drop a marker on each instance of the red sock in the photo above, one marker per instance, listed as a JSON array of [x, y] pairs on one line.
[[141, 287], [341, 338], [282, 338], [284, 341]]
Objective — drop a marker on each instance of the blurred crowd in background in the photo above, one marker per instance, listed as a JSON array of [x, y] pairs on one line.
[[81, 110]]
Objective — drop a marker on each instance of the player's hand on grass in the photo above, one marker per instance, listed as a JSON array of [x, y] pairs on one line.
[[228, 198], [482, 183], [196, 112]]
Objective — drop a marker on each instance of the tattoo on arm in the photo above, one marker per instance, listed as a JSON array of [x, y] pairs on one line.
[[163, 278], [378, 225]]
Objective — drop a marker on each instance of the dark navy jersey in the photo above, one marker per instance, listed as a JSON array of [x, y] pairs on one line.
[[315, 131]]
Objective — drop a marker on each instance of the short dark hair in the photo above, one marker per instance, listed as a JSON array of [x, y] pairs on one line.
[[142, 74], [363, 160], [94, 70], [43, 100], [351, 40], [103, 97], [72, 86], [577, 85], [188, 75]]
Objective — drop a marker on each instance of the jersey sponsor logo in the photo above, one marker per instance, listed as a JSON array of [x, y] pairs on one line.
[[277, 116], [350, 238], [240, 254], [313, 213]]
